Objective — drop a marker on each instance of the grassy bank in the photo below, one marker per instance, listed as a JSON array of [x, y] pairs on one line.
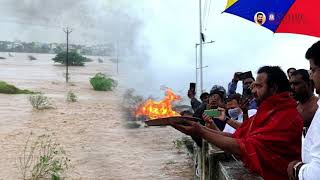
[[6, 88]]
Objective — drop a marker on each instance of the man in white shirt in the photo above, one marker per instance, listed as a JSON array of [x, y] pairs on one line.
[[309, 167]]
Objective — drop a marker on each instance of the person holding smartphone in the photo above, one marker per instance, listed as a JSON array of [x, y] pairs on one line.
[[210, 115], [268, 141], [247, 82], [195, 103]]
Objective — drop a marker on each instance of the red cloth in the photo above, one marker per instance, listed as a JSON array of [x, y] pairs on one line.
[[271, 139]]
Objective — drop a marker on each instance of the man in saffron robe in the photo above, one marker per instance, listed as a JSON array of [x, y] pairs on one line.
[[268, 141]]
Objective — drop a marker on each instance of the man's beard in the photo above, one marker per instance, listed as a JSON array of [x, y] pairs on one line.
[[263, 97], [258, 102], [295, 96]]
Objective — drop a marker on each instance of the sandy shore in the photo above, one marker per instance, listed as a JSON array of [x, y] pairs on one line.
[[90, 130]]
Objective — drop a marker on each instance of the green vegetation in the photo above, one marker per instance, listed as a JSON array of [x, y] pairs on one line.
[[101, 83], [55, 48], [6, 88], [75, 59], [71, 97], [178, 144], [182, 143], [42, 158], [40, 102]]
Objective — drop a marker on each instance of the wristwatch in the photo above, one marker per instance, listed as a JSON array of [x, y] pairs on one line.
[[296, 169]]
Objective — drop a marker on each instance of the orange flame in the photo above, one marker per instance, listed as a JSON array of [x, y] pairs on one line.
[[161, 109]]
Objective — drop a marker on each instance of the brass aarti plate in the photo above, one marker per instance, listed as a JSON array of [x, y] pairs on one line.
[[167, 121]]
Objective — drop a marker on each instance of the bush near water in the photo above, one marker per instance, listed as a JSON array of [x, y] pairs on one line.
[[184, 143], [72, 97], [6, 88], [40, 102], [100, 82], [43, 158]]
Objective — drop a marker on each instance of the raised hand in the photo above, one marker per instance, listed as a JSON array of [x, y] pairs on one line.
[[222, 116]]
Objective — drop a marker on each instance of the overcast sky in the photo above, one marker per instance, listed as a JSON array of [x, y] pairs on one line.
[[159, 37]]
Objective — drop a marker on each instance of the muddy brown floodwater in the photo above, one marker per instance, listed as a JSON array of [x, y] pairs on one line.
[[90, 130]]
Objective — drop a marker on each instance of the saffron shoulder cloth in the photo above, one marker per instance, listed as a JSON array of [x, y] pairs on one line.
[[272, 138]]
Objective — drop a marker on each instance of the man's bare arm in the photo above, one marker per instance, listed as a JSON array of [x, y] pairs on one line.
[[217, 131], [217, 138]]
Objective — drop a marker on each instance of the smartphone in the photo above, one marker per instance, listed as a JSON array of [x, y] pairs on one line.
[[192, 87], [238, 73], [212, 113], [245, 75]]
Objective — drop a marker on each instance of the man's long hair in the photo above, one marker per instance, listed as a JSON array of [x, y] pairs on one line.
[[276, 77]]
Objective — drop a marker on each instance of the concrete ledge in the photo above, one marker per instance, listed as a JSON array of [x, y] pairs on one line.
[[223, 167], [234, 170]]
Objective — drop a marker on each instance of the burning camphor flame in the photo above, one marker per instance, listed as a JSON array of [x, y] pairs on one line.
[[161, 109]]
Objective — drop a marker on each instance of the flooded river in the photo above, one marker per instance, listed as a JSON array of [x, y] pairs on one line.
[[90, 130]]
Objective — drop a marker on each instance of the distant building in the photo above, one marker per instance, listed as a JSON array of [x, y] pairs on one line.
[[52, 48]]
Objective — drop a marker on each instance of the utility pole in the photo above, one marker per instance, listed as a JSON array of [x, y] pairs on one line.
[[200, 55], [196, 67], [67, 31], [204, 150], [197, 44]]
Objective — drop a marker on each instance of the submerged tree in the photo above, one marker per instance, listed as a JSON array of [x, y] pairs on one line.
[[75, 59]]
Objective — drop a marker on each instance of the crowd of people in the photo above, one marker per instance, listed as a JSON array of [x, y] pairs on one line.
[[273, 127]]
